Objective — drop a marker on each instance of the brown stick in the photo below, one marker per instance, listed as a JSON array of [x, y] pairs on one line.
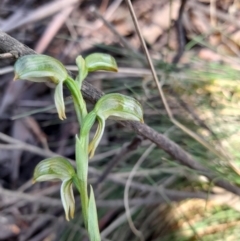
[[180, 33], [8, 55], [8, 44]]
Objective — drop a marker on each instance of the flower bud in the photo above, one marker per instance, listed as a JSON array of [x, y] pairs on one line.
[[94, 62], [100, 61], [82, 70]]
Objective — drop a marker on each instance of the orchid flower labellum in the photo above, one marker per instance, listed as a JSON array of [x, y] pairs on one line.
[[58, 168]]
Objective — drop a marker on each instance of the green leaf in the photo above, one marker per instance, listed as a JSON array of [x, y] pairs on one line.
[[100, 61], [40, 68], [83, 70], [93, 228], [53, 168], [79, 103]]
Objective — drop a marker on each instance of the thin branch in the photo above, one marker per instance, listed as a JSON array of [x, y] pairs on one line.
[[8, 56], [180, 33], [117, 223], [126, 191], [9, 44], [124, 42], [221, 15], [218, 153], [40, 13], [30, 197]]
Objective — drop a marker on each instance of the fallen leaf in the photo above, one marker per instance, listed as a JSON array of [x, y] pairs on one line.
[[151, 33], [209, 55]]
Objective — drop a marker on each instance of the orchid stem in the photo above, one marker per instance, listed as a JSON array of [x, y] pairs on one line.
[[79, 103], [81, 179]]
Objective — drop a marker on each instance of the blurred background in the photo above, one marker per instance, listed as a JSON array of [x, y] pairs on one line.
[[195, 47]]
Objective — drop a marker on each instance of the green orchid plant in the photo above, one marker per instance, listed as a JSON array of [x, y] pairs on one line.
[[43, 68]]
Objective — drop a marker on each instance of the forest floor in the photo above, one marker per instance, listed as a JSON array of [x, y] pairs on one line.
[[195, 48]]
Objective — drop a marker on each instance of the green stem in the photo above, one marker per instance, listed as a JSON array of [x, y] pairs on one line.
[[79, 103], [82, 189], [84, 202], [81, 158], [82, 162], [85, 121], [82, 173]]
